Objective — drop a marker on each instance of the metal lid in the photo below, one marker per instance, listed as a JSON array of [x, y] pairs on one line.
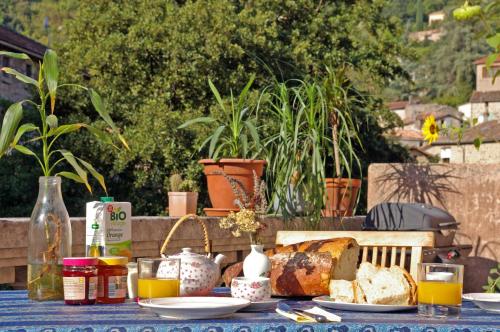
[[113, 260], [79, 261], [107, 199]]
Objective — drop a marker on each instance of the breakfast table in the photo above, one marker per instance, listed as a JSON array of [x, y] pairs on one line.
[[18, 313]]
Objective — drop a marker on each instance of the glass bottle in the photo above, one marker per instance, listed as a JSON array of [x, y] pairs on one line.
[[49, 240]]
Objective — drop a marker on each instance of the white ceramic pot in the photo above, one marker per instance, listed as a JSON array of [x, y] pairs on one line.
[[256, 264]]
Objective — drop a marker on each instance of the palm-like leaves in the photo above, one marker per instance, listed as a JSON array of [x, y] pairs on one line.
[[235, 135], [297, 151], [50, 131]]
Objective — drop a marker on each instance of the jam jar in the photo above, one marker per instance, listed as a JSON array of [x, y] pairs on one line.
[[80, 280], [112, 279]]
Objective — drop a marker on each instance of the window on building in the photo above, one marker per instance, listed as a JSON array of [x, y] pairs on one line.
[[491, 72], [5, 63], [445, 155], [29, 70], [447, 122]]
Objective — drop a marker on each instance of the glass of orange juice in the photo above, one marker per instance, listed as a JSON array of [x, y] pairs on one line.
[[440, 289], [158, 277]]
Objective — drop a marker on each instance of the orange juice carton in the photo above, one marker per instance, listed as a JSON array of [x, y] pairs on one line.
[[108, 228]]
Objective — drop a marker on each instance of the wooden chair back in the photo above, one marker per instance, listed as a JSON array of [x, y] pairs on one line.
[[378, 247]]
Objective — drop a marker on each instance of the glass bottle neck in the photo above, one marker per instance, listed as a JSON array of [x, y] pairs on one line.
[[49, 188]]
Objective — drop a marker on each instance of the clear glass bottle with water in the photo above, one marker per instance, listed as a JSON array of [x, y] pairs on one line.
[[49, 240]]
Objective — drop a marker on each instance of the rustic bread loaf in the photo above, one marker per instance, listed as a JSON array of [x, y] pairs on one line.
[[300, 273], [305, 269]]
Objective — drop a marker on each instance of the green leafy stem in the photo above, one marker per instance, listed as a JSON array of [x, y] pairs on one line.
[[50, 130]]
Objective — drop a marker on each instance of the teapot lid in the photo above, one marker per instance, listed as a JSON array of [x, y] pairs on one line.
[[188, 252]]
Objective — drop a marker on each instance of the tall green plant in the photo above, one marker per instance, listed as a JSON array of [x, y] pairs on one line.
[[341, 99], [47, 86], [232, 133], [298, 148]]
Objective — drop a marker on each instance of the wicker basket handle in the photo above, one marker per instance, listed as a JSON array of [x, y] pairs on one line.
[[178, 223]]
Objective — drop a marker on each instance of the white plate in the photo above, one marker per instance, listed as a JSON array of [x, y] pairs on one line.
[[262, 305], [327, 302], [486, 301], [194, 307]]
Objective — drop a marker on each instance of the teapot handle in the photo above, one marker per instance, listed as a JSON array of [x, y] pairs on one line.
[[178, 223]]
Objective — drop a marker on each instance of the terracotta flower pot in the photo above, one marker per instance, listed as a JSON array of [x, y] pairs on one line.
[[182, 203], [219, 189], [341, 195]]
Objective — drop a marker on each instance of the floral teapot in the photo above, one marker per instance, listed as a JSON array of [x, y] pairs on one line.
[[199, 274]]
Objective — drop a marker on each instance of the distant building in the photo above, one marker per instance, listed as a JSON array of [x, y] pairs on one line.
[[413, 117], [10, 87], [434, 33], [444, 115], [485, 100], [449, 151], [398, 107], [436, 17]]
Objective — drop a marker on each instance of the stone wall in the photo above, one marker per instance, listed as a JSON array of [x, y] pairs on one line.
[[485, 82], [470, 192], [489, 153], [479, 110], [148, 234], [10, 87]]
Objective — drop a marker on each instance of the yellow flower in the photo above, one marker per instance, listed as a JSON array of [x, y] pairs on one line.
[[430, 129]]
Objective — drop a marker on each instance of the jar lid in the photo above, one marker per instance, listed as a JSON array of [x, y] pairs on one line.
[[79, 261], [107, 199], [113, 260]]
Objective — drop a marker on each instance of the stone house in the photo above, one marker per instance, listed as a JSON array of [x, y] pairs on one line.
[[436, 17], [11, 41], [434, 31], [449, 151], [485, 100], [413, 117]]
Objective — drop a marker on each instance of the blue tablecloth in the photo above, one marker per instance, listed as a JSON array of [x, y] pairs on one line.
[[17, 313]]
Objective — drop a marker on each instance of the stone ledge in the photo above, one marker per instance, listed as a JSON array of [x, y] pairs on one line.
[[148, 235]]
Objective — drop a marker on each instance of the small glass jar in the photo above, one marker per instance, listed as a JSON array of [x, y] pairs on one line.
[[112, 279], [80, 280]]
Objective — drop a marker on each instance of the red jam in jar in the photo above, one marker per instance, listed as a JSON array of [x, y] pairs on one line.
[[80, 280], [112, 284]]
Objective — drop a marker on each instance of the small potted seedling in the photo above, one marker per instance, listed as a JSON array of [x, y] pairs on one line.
[[182, 197]]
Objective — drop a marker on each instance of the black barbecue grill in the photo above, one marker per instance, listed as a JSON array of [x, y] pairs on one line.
[[419, 217]]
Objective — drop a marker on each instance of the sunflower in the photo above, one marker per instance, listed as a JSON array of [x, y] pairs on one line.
[[430, 129]]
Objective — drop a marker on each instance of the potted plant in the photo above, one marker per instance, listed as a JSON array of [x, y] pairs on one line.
[[49, 232], [297, 150], [233, 145], [182, 197], [341, 98]]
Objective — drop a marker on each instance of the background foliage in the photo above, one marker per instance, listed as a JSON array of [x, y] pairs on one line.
[[443, 71], [152, 59]]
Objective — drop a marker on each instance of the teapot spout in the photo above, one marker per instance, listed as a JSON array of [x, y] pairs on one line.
[[219, 259]]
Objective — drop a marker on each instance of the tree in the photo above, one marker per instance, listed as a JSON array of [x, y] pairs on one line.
[[154, 58], [442, 71], [419, 18], [42, 20]]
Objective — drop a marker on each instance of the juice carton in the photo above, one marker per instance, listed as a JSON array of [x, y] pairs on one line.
[[108, 228]]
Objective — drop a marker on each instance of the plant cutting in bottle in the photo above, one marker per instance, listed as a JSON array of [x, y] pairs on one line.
[[24, 138]]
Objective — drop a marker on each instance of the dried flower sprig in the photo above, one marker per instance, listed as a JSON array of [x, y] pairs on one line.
[[252, 207]]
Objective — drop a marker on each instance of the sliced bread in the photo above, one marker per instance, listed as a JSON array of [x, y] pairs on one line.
[[386, 287], [342, 291], [376, 285]]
